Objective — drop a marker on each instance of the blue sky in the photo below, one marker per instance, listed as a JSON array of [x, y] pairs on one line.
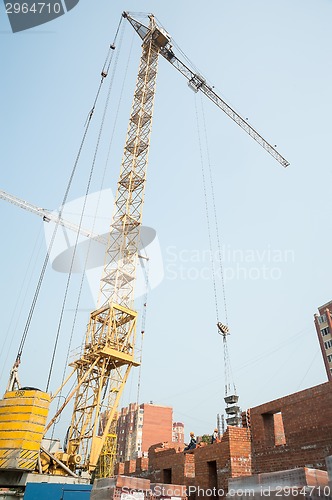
[[271, 60]]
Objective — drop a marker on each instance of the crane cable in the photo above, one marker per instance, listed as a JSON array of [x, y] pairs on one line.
[[216, 225], [21, 299], [207, 213], [46, 260], [222, 329], [146, 269], [227, 362], [104, 73], [64, 200], [94, 220]]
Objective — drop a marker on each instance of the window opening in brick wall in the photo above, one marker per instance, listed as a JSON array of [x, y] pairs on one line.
[[274, 431]]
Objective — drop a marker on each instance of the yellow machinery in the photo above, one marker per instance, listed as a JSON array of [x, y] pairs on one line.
[[108, 353], [23, 417], [107, 457]]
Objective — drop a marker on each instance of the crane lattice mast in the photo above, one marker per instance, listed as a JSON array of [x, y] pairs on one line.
[[111, 334], [108, 353]]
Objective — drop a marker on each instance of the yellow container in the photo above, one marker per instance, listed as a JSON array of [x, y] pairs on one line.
[[23, 417]]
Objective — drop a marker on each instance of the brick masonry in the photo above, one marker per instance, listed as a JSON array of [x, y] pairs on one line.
[[290, 432], [206, 467], [306, 439]]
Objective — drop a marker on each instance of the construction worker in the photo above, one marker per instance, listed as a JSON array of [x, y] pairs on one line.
[[215, 437], [192, 444]]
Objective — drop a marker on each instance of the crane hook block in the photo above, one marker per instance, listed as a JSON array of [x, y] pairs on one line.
[[223, 329]]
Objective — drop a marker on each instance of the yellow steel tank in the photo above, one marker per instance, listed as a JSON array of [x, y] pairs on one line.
[[23, 415]]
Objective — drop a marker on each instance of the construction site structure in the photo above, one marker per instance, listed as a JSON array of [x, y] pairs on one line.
[[100, 372], [323, 324]]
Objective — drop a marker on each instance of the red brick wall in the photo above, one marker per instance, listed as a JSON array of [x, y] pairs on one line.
[[206, 467], [232, 457], [301, 435], [119, 468], [182, 466], [157, 425], [240, 452], [307, 422]]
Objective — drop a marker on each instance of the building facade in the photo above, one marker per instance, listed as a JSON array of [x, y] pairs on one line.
[[323, 323], [141, 426], [178, 432]]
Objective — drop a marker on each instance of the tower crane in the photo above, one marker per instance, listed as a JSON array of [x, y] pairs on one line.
[[108, 353]]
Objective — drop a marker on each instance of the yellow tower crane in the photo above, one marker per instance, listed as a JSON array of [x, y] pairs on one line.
[[108, 354]]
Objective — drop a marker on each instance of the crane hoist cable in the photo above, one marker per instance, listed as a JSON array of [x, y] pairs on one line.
[[223, 329], [207, 214], [216, 224], [101, 128], [229, 380], [145, 268], [14, 377], [20, 301]]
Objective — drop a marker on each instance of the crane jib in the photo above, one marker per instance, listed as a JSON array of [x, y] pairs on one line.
[[197, 82]]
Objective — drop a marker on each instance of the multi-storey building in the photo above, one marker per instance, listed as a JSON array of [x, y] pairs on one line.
[[323, 323], [178, 432], [141, 426], [125, 428]]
